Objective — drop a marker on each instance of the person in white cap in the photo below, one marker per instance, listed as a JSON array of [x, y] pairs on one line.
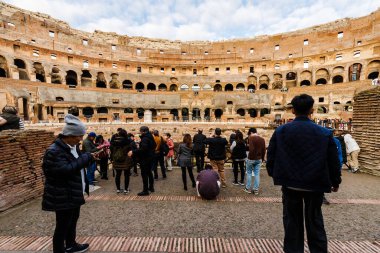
[[65, 183]]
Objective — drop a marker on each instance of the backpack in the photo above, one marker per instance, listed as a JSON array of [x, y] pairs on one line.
[[119, 155], [164, 147]]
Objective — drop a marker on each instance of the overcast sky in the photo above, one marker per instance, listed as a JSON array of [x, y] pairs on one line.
[[196, 19]]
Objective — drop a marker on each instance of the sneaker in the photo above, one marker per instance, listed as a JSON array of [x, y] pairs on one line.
[[224, 186], [255, 192], [143, 194], [355, 170], [78, 248], [126, 191], [118, 191], [241, 183], [135, 174], [246, 190], [95, 181], [235, 183], [151, 189]]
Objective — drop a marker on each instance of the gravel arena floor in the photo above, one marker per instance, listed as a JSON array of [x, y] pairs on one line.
[[191, 217]]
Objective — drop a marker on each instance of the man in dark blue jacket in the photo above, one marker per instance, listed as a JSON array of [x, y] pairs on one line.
[[65, 182], [303, 158]]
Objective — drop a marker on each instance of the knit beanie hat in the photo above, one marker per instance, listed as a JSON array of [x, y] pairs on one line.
[[73, 127]]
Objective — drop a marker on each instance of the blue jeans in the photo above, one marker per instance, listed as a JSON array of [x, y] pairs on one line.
[[253, 165], [91, 173]]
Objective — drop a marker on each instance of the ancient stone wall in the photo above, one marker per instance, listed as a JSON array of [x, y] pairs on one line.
[[21, 177], [366, 122]]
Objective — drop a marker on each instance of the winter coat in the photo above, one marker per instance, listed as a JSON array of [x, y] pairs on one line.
[[238, 151], [145, 152], [89, 146], [351, 144], [199, 146], [217, 148], [185, 155], [63, 181], [123, 143], [303, 155], [13, 121]]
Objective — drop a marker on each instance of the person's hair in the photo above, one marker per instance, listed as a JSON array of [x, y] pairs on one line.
[[218, 131], [200, 131], [98, 138], [130, 135], [73, 110], [168, 135], [144, 129], [10, 109], [252, 130], [302, 104], [239, 137], [187, 140], [123, 133], [156, 133], [119, 129], [208, 167]]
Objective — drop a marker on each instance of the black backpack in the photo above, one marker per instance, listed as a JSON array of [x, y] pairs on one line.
[[120, 154]]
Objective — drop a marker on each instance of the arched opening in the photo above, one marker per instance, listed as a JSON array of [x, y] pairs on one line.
[[241, 112], [196, 87], [102, 110], [59, 99], [71, 78], [217, 87], [173, 87], [354, 72], [337, 79], [373, 75], [252, 113], [174, 112], [154, 112], [140, 86], [240, 87], [162, 87], [336, 103], [151, 86], [101, 81], [264, 82], [207, 87], [40, 72], [127, 85], [88, 112], [321, 81], [55, 76], [185, 114], [140, 113], [23, 108], [263, 86], [291, 76], [264, 111], [251, 88], [321, 110], [196, 114], [305, 83], [218, 113], [184, 87], [21, 67], [207, 114], [86, 78], [3, 67], [114, 83], [228, 87], [128, 110]]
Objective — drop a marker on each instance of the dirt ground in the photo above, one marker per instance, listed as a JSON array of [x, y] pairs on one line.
[[203, 218]]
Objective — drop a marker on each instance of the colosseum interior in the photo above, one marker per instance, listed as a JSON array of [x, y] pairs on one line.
[[46, 66]]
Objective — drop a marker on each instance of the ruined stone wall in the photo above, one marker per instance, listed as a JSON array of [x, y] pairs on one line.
[[366, 122], [21, 177]]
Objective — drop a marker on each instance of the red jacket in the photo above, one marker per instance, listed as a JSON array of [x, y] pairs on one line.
[[171, 147]]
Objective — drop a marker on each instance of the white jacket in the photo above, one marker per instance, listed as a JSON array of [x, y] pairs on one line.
[[351, 144]]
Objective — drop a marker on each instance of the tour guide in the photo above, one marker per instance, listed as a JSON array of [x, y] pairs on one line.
[[65, 183], [303, 158]]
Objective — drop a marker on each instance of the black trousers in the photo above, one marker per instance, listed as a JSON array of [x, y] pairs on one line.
[[300, 206], [191, 175], [126, 178], [103, 164], [147, 175], [200, 160], [236, 165], [134, 165], [159, 159], [65, 229]]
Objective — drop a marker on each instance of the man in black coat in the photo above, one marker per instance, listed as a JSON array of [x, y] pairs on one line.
[[217, 153], [145, 154], [199, 149], [65, 182], [303, 158]]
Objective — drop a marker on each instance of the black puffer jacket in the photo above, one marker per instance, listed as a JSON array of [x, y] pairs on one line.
[[145, 153], [63, 180]]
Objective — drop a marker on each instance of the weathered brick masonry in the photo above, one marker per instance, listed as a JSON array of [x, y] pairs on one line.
[[21, 177], [366, 120]]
